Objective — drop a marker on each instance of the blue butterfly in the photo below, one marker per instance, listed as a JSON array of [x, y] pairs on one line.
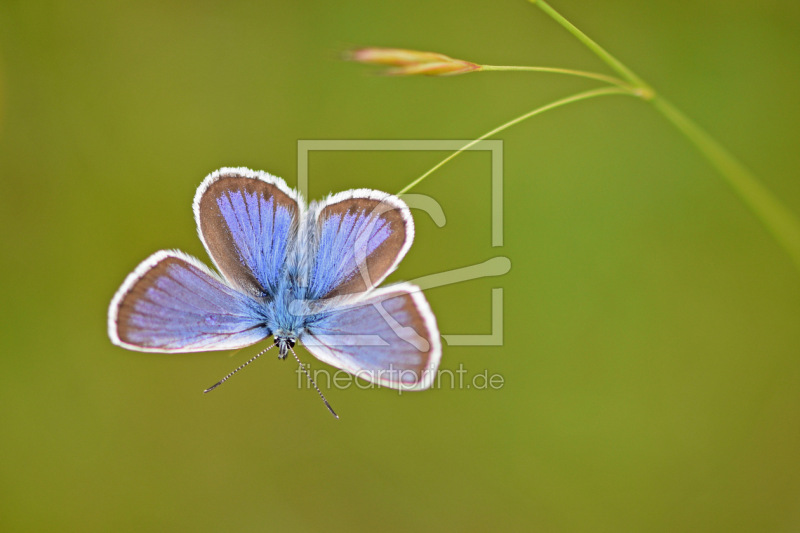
[[296, 273]]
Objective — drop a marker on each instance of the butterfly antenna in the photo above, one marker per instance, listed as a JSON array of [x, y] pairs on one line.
[[322, 396], [226, 378]]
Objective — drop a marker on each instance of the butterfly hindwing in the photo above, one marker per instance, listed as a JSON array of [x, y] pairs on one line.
[[389, 337], [359, 238], [173, 303], [248, 223]]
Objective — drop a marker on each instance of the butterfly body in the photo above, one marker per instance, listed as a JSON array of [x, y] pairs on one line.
[[306, 275]]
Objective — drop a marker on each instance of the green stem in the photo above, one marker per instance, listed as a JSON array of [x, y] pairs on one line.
[[610, 60], [580, 73], [553, 105], [777, 218]]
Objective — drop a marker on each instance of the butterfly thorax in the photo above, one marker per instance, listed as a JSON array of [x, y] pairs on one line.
[[287, 313]]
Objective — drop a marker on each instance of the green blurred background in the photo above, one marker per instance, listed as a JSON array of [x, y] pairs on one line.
[[652, 326]]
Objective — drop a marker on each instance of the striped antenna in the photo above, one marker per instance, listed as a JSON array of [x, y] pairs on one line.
[[322, 396], [226, 378]]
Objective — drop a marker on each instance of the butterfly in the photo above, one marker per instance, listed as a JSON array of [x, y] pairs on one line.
[[296, 273]]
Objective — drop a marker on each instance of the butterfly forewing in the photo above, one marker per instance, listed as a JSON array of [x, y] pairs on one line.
[[172, 303], [248, 223], [390, 338]]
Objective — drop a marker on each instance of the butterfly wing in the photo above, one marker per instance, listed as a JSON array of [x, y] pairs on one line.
[[248, 223], [357, 238], [173, 303], [390, 338]]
